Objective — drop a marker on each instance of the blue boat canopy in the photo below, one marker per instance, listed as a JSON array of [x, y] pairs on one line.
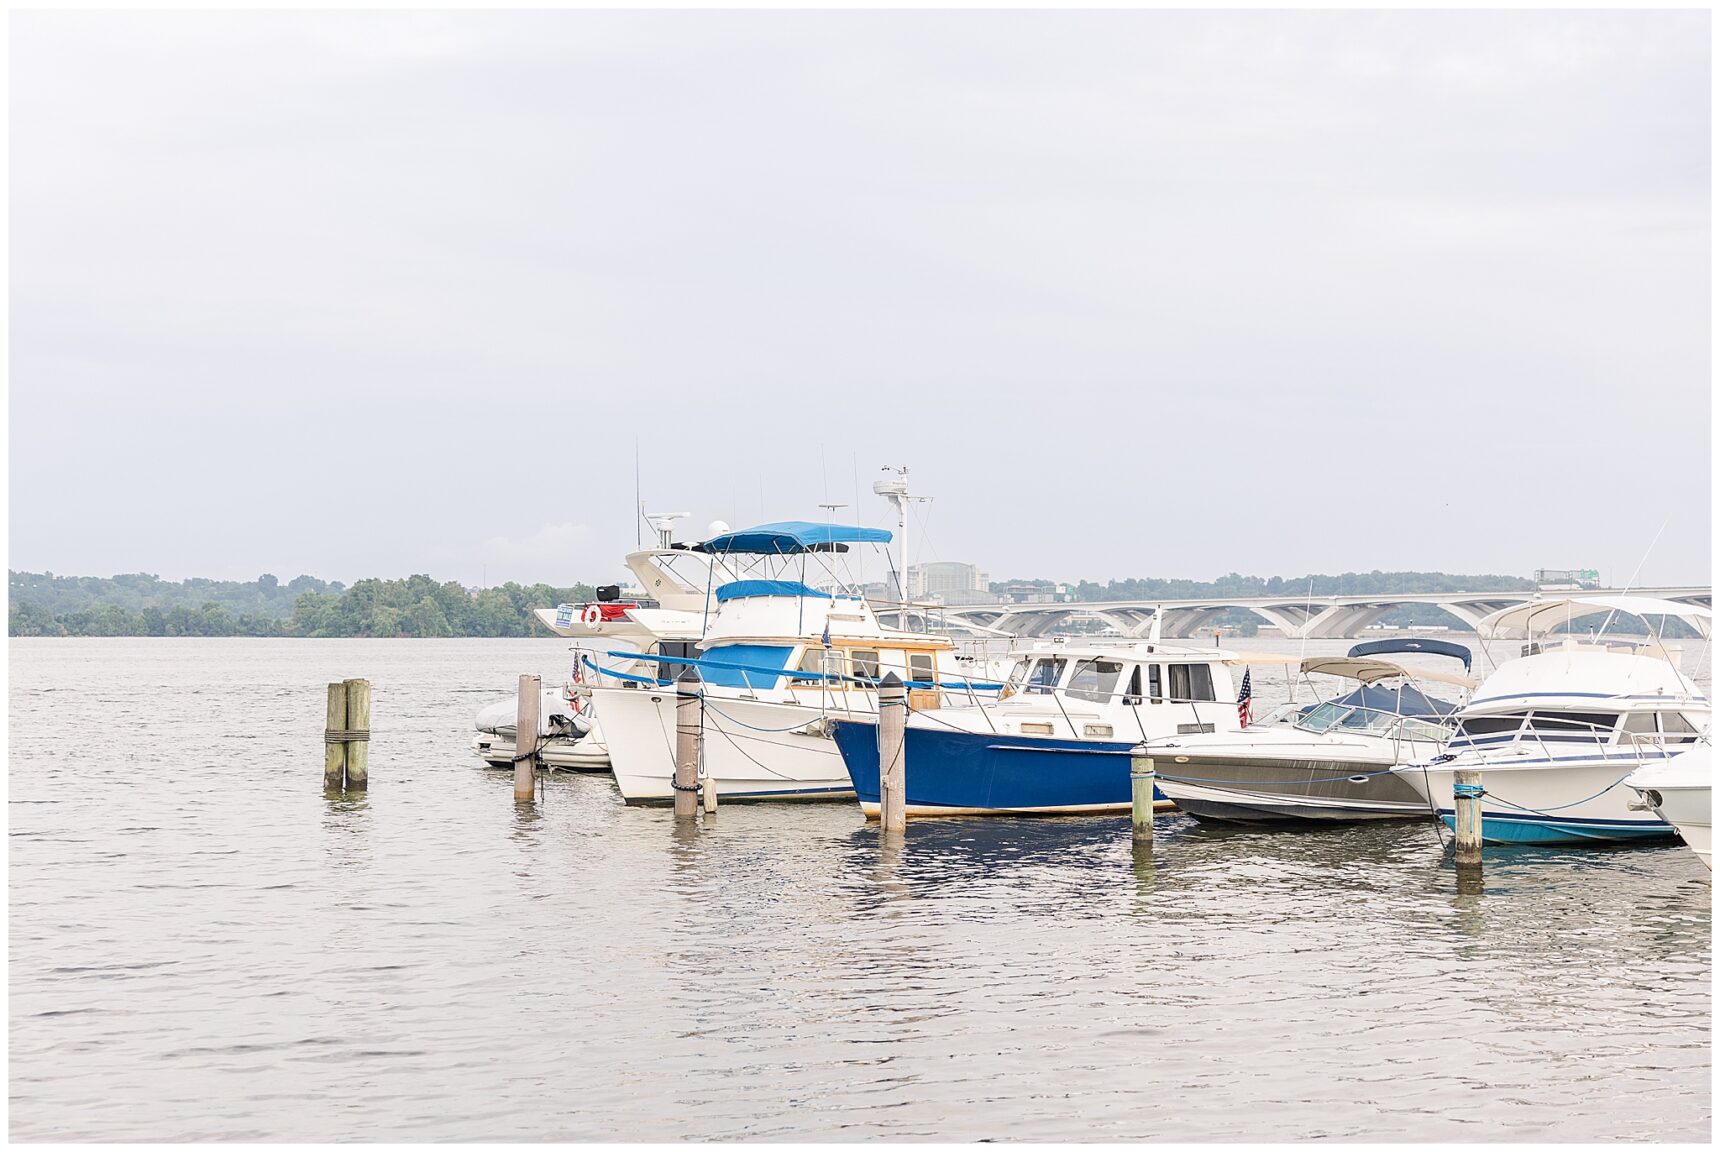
[[1406, 644], [791, 536], [742, 589]]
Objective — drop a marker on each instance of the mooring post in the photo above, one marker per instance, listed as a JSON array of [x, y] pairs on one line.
[[689, 734], [892, 754], [334, 738], [358, 732], [526, 737], [1466, 795], [1141, 779]]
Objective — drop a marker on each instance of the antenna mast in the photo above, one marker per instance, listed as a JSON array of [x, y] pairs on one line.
[[895, 490]]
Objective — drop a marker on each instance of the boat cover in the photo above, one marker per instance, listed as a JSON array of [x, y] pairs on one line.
[[742, 589], [791, 536], [1407, 644]]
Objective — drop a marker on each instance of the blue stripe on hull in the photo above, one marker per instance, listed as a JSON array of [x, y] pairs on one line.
[[987, 772], [1529, 829]]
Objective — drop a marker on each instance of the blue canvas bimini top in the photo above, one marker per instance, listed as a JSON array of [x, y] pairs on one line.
[[791, 536], [743, 589]]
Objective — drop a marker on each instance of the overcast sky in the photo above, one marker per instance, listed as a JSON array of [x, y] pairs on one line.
[[1146, 293]]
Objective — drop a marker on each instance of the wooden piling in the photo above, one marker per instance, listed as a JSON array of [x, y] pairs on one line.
[[689, 734], [1141, 778], [334, 739], [1466, 803], [358, 744], [892, 754], [526, 737]]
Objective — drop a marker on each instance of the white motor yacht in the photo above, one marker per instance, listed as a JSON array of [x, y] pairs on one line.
[[1556, 733], [778, 661]]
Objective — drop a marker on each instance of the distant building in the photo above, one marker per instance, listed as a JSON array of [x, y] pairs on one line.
[[1566, 579], [1032, 592], [949, 582]]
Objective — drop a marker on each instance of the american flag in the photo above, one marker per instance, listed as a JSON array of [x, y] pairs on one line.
[[1245, 699]]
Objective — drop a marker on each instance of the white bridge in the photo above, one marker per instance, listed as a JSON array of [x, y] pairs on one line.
[[1319, 617]]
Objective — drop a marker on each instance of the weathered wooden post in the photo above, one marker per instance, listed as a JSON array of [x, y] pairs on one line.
[[689, 734], [892, 754], [358, 736], [1466, 793], [526, 737], [334, 739], [1141, 780]]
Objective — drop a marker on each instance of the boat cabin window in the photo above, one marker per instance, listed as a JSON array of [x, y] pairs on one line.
[[1678, 730], [1045, 674], [1584, 726], [812, 660], [1659, 727], [1482, 727], [681, 649], [1133, 695], [920, 668], [1095, 679], [1156, 683], [1191, 682], [865, 664]]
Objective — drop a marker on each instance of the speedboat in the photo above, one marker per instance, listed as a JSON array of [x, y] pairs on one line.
[[1061, 739], [1333, 761], [1556, 733], [1680, 792], [778, 661]]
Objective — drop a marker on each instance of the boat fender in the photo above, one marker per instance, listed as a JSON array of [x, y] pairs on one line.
[[593, 616]]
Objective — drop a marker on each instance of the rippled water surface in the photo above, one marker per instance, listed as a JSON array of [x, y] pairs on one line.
[[204, 946]]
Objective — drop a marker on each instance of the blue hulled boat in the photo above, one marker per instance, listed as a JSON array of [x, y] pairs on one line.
[[1061, 740]]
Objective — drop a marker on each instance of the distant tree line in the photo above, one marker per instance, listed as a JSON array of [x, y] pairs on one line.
[[42, 604]]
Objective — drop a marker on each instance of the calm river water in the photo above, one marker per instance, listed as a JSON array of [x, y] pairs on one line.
[[203, 946]]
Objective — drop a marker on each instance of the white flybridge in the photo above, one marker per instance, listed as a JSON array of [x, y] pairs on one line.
[[779, 659], [1556, 733]]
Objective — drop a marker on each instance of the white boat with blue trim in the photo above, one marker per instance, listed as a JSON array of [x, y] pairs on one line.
[[1060, 742], [779, 660], [1556, 733]]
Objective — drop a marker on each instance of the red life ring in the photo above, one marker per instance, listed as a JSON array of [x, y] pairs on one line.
[[593, 616]]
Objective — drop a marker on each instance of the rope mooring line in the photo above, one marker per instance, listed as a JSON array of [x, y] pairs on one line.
[[342, 735]]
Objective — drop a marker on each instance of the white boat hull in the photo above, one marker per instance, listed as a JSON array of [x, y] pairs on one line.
[[1681, 792], [587, 754], [753, 750], [1580, 798]]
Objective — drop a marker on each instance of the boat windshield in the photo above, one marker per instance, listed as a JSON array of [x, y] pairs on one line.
[[1044, 674], [1323, 717]]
